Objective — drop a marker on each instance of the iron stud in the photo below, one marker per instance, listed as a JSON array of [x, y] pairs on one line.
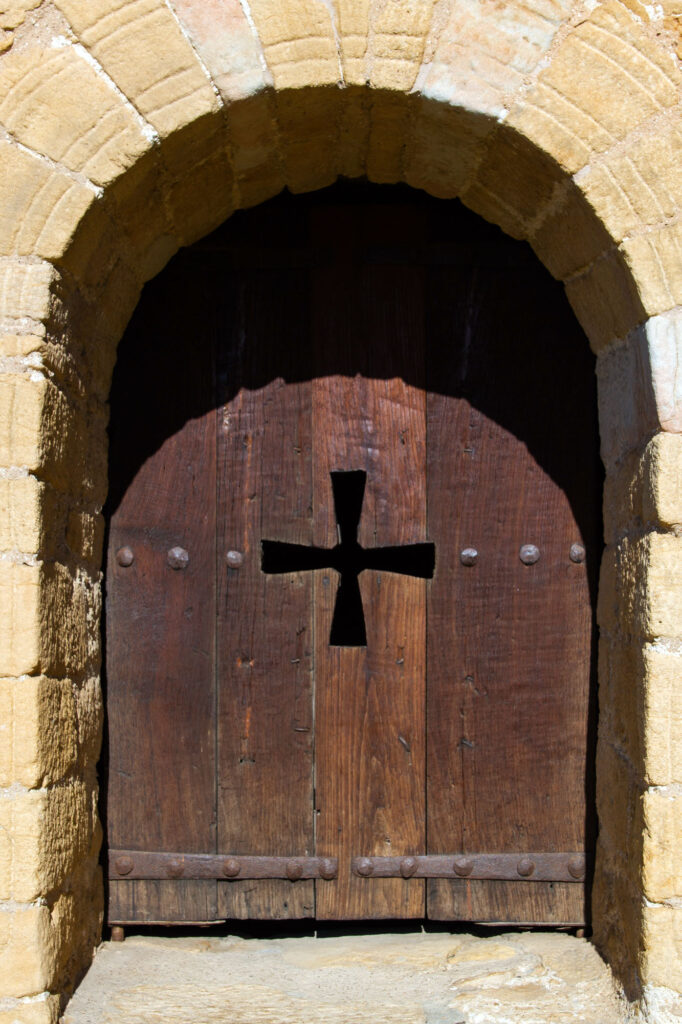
[[294, 870], [529, 554], [176, 868], [468, 556], [408, 866], [525, 867], [125, 557], [577, 553], [328, 869], [124, 865], [231, 867], [463, 865], [234, 559], [576, 866], [364, 867], [178, 558]]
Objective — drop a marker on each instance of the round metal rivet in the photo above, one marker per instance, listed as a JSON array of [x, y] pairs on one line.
[[294, 870], [363, 866], [175, 868], [124, 865], [525, 867], [327, 869], [576, 866], [234, 559], [469, 556], [577, 553], [178, 558], [529, 554], [408, 866], [125, 557], [463, 866], [231, 867]]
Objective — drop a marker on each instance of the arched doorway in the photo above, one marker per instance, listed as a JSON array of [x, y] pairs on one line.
[[412, 740]]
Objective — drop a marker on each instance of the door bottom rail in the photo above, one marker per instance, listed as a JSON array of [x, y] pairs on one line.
[[138, 864], [503, 867]]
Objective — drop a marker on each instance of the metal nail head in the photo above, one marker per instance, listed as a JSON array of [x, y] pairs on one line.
[[408, 866], [124, 865], [178, 558], [234, 559], [463, 866], [328, 869], [529, 554], [231, 867], [577, 553], [468, 556], [125, 557], [363, 866], [294, 870], [525, 867], [576, 866]]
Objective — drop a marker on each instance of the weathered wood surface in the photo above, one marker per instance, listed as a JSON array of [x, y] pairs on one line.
[[426, 350]]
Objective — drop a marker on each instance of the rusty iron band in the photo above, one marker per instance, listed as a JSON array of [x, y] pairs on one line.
[[134, 864], [504, 867]]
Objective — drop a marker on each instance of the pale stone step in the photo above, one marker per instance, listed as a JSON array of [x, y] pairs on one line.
[[427, 978]]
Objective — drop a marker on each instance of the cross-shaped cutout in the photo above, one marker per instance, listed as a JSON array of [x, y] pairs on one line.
[[349, 559]]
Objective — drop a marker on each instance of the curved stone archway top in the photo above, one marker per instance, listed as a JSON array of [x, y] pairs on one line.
[[133, 127]]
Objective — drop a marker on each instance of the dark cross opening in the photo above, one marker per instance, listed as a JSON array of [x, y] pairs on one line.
[[349, 559]]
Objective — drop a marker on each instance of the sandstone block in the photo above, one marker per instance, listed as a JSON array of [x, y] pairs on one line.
[[483, 53], [606, 300], [22, 502], [100, 138], [655, 262], [619, 809], [21, 821], [27, 954], [662, 715], [40, 207], [627, 405], [514, 184], [616, 913], [662, 472], [662, 865], [661, 960], [200, 201], [604, 78], [298, 41], [25, 289], [38, 731], [397, 38], [70, 605], [571, 237], [19, 619], [142, 47], [390, 118], [444, 148], [228, 46], [637, 186], [353, 27], [38, 1011], [641, 587], [255, 148], [309, 131]]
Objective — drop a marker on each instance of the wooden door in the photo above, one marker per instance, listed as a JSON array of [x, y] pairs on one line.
[[353, 545]]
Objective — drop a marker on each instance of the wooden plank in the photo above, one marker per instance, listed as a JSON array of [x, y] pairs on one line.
[[509, 645], [265, 649], [368, 413], [160, 622]]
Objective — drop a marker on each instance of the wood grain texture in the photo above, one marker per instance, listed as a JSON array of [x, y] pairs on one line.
[[509, 662], [265, 647], [161, 621], [370, 702]]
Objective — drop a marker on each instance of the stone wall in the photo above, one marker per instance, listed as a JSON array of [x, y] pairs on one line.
[[131, 127]]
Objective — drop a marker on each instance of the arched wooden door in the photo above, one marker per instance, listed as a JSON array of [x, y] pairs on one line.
[[353, 547]]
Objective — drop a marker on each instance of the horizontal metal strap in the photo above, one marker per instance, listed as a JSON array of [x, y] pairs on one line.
[[505, 867], [143, 864]]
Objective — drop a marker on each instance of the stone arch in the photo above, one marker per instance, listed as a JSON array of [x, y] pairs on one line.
[[129, 129]]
